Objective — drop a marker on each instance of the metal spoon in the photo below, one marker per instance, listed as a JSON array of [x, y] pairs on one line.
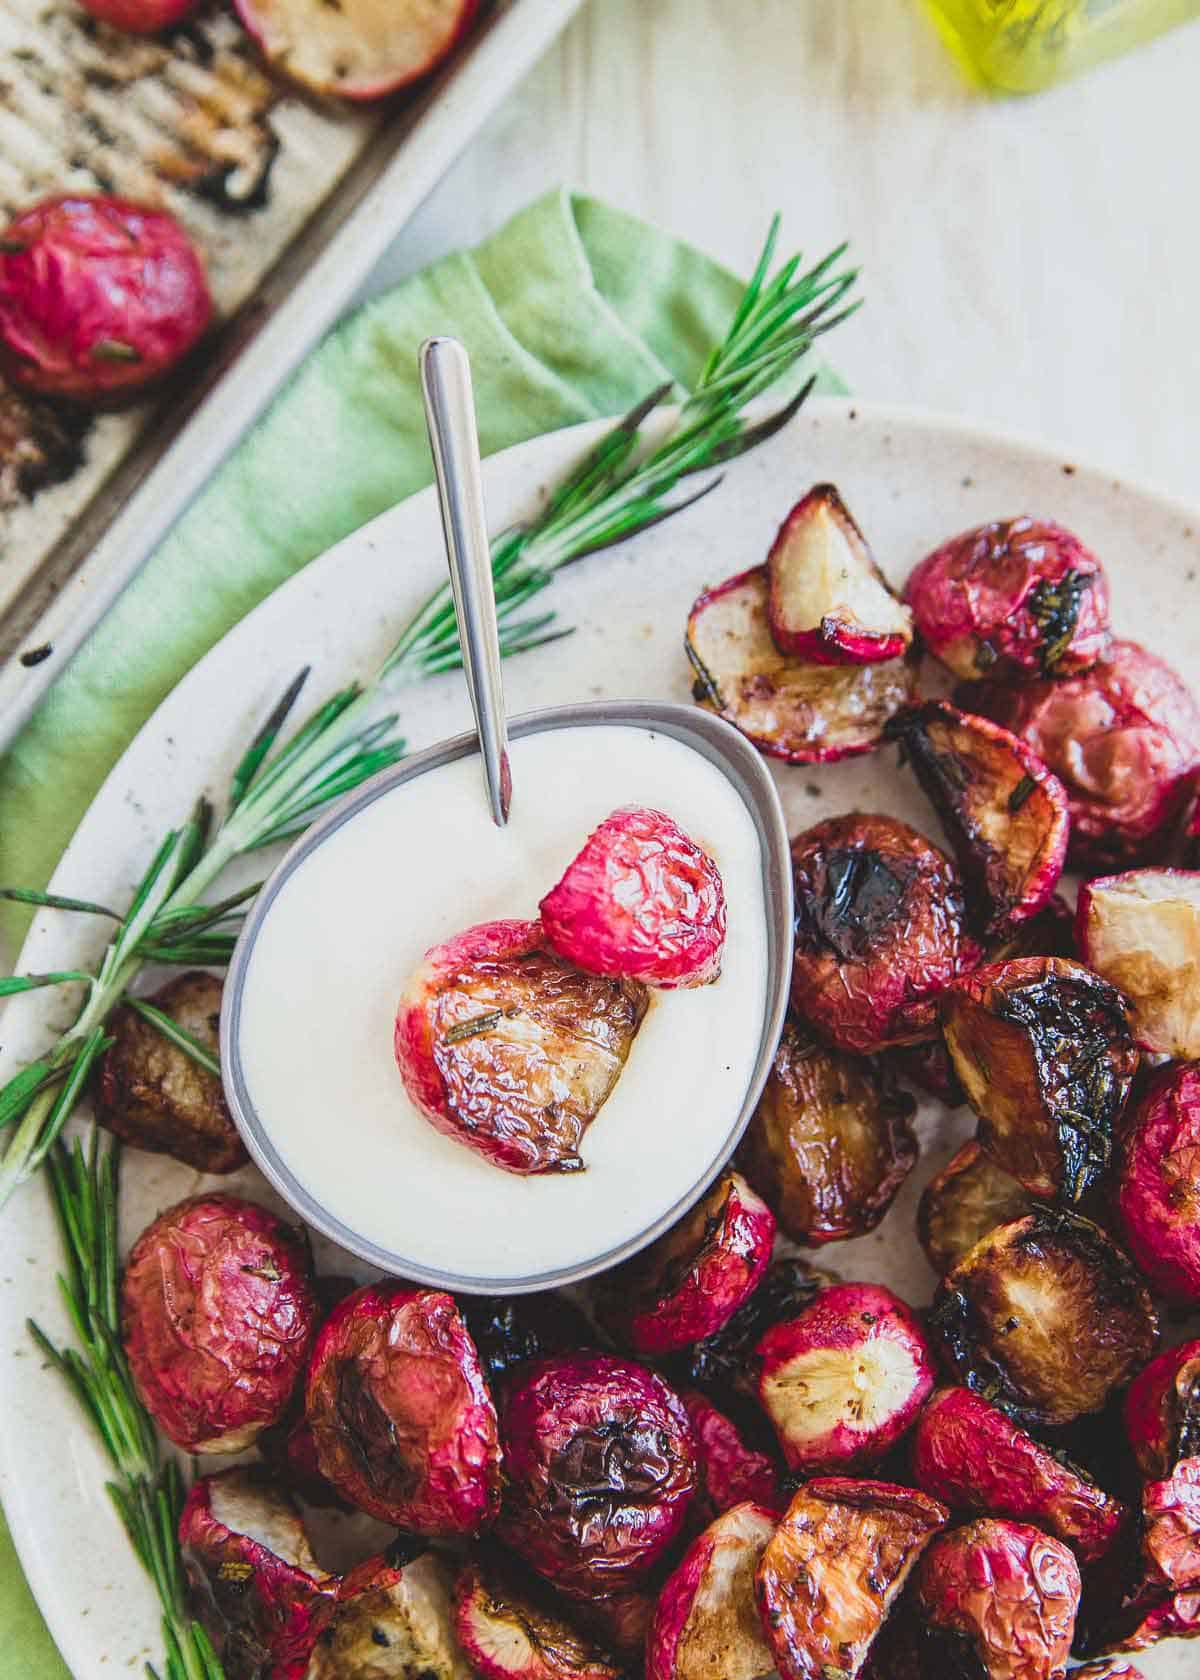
[[450, 417]]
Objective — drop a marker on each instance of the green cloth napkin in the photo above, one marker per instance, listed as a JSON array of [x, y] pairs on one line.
[[572, 310]]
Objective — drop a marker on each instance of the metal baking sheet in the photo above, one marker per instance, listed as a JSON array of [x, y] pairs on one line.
[[293, 201]]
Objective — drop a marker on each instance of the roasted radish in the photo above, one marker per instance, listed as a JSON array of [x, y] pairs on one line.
[[927, 1066], [394, 1619], [507, 1635], [728, 1471], [150, 1093], [1147, 1619], [1005, 813], [689, 1283], [998, 1600], [1141, 931], [619, 1621], [707, 1621], [880, 931], [1162, 1411], [834, 1568], [725, 1362], [1014, 598], [830, 1142], [970, 1456], [829, 601], [1157, 1191], [967, 1199], [254, 1582], [217, 1314], [641, 901], [1044, 1052], [357, 49], [1171, 1527], [1046, 1317], [600, 1469], [1107, 1669], [1051, 933], [509, 1049], [790, 709], [98, 297], [842, 1382], [401, 1417], [1124, 740]]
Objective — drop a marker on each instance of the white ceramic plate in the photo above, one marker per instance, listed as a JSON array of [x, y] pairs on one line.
[[911, 480]]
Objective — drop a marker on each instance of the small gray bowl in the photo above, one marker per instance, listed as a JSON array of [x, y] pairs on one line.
[[743, 768]]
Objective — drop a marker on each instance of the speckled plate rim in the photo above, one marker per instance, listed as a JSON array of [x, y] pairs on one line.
[[97, 1604], [742, 767]]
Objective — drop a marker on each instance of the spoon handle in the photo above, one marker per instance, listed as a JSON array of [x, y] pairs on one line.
[[450, 417]]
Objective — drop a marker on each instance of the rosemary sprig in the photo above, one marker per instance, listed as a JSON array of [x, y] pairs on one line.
[[624, 485], [147, 1493]]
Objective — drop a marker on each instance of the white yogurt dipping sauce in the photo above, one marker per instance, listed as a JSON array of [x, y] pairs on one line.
[[422, 862]]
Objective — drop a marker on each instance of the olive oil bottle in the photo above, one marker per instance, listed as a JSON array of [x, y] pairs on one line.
[[1019, 46]]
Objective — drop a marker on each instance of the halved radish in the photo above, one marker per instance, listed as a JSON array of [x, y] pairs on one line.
[[1005, 813], [805, 713], [707, 1621], [508, 1635], [359, 49], [1141, 931], [829, 601], [843, 1381]]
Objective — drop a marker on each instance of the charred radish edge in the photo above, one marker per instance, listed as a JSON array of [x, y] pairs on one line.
[[1141, 932], [800, 712], [1043, 1050], [1045, 1317], [1005, 813], [829, 601]]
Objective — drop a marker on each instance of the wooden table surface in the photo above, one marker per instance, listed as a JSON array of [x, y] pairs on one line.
[[1033, 263]]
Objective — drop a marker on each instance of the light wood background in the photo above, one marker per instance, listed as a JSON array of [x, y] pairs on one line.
[[1030, 263]]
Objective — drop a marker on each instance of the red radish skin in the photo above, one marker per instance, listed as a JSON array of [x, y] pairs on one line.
[[880, 932], [363, 49], [99, 297], [255, 1584], [835, 1568], [1171, 1527], [829, 602], [1124, 740], [140, 17], [791, 709], [217, 1316], [843, 1381], [1141, 931], [1162, 1410], [402, 1420], [1157, 1190], [641, 901], [966, 1453], [707, 1621], [510, 1050], [729, 1472], [1014, 598], [600, 1467], [1008, 1592], [689, 1284]]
